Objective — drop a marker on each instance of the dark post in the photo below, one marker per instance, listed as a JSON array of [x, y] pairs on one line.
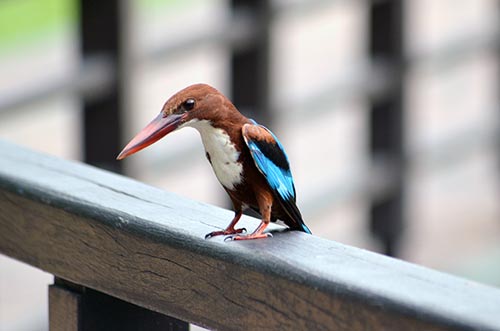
[[387, 120], [77, 308], [101, 35], [250, 77], [250, 85]]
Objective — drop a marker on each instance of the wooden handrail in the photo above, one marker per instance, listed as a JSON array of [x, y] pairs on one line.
[[147, 247]]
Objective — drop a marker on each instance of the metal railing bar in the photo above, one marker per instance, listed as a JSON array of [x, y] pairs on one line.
[[92, 79], [237, 32], [366, 81], [452, 51]]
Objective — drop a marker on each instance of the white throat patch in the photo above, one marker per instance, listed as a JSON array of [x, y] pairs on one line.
[[222, 152]]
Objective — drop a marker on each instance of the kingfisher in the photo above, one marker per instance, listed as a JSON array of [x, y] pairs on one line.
[[247, 158]]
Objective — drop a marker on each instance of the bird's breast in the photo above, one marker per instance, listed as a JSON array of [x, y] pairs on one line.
[[221, 152]]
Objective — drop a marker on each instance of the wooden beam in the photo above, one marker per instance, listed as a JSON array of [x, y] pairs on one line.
[[147, 247]]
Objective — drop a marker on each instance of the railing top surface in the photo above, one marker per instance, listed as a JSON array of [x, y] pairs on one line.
[[115, 234]]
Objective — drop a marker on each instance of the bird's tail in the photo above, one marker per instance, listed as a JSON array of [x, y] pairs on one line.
[[299, 225], [296, 222], [305, 228]]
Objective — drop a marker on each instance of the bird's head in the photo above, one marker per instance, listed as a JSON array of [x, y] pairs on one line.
[[195, 102]]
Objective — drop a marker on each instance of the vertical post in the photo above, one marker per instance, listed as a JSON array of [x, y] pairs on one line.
[[64, 309], [76, 308], [250, 77], [387, 119], [249, 65], [101, 29]]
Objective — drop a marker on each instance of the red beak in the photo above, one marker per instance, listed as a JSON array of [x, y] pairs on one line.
[[157, 129]]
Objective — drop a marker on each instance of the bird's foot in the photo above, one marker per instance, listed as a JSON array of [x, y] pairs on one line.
[[225, 233], [249, 237]]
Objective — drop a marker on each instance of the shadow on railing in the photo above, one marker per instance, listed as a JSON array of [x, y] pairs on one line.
[[126, 256]]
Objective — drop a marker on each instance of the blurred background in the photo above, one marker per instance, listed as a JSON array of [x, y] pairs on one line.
[[389, 111]]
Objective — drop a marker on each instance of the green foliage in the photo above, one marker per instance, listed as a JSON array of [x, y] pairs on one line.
[[24, 20]]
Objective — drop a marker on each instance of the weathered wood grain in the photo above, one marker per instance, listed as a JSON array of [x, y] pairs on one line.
[[146, 246]]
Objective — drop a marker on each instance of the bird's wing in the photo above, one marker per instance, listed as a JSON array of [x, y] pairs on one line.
[[271, 160]]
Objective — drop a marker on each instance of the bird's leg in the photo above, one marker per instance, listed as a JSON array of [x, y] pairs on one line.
[[265, 203], [230, 229]]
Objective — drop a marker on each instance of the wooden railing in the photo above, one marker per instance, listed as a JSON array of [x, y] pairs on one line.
[[128, 255]]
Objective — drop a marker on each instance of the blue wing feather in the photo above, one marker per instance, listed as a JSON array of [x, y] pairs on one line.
[[278, 178], [272, 161]]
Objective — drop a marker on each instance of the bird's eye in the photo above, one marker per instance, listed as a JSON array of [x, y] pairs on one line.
[[188, 104]]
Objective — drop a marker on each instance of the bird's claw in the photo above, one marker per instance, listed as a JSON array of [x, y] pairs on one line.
[[224, 233], [248, 237]]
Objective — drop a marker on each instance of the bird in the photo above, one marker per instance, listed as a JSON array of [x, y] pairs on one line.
[[247, 158]]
